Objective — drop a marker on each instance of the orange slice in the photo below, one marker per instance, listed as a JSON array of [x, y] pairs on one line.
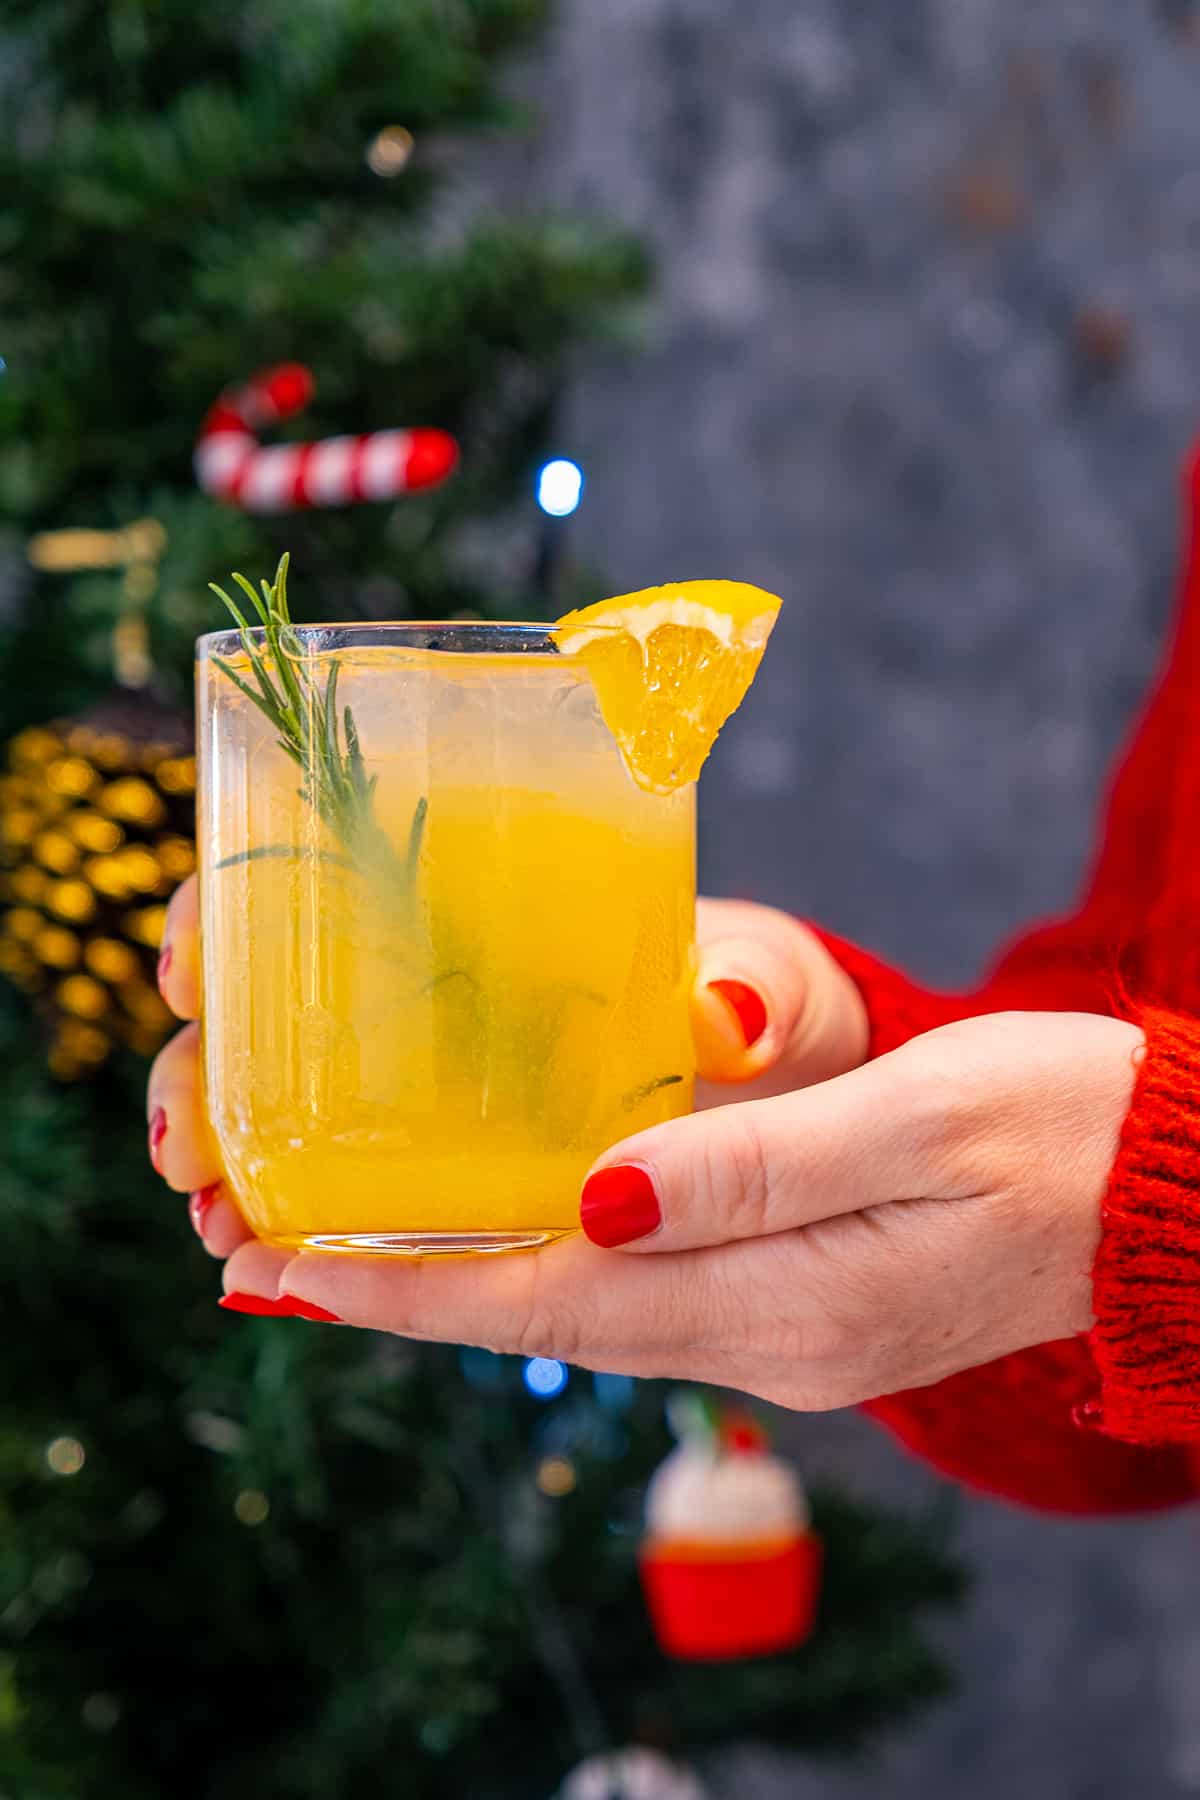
[[669, 666]]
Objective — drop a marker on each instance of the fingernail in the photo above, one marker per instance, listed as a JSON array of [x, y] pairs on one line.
[[618, 1205], [158, 1131], [749, 1006], [1089, 1414], [287, 1306], [200, 1204], [308, 1309], [164, 962]]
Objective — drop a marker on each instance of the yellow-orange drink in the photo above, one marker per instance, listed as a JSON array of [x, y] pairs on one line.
[[421, 1030]]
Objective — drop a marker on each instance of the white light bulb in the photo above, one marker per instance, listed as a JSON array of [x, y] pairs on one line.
[[559, 486]]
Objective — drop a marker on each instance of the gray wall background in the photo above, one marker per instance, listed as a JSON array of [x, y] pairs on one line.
[[924, 358]]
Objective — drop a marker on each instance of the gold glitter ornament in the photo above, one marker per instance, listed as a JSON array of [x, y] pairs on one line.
[[96, 832]]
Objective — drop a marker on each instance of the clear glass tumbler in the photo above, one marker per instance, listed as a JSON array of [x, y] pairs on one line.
[[447, 943]]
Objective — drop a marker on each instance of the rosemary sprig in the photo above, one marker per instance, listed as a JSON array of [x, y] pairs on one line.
[[324, 746]]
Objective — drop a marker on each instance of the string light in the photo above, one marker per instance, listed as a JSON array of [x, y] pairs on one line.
[[389, 151], [544, 1377], [53, 551], [251, 1506], [65, 1456], [559, 487], [556, 1476]]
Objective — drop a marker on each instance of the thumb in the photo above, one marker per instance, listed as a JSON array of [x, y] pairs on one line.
[[762, 1166], [770, 1006]]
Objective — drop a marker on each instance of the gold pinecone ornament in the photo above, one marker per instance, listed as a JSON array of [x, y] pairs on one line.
[[97, 818]]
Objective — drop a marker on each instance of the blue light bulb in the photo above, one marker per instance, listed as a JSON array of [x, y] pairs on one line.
[[544, 1377]]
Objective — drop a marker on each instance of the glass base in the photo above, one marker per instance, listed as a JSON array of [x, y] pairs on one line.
[[419, 1243]]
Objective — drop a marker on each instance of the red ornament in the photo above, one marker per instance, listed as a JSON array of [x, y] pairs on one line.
[[233, 466], [742, 1434], [734, 1603], [730, 1565]]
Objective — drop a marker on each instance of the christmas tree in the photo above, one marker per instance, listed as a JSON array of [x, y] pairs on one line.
[[241, 1557]]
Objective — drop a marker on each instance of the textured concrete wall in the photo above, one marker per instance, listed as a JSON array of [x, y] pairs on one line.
[[924, 359]]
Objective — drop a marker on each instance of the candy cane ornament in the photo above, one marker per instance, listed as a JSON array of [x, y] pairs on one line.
[[233, 466]]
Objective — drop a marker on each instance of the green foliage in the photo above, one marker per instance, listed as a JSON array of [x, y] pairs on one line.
[[184, 199], [298, 1562], [410, 1602]]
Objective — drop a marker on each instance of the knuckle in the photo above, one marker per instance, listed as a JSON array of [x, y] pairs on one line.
[[942, 1092], [544, 1326], [736, 1174], [548, 1332]]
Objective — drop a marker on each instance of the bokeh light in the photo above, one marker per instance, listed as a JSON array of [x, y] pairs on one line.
[[251, 1507], [559, 487], [544, 1377], [389, 151], [65, 1456], [556, 1476]]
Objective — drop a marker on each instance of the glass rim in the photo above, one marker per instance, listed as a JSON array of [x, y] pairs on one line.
[[473, 635]]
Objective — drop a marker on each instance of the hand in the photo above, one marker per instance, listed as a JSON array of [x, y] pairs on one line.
[[931, 1211], [771, 1010], [919, 1215]]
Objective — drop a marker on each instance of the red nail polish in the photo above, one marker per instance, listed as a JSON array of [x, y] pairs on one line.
[[308, 1309], [256, 1304], [164, 962], [158, 1131], [618, 1205], [749, 1006], [285, 1307], [200, 1204]]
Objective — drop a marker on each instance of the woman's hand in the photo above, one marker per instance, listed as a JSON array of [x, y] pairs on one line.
[[901, 1221], [771, 1010]]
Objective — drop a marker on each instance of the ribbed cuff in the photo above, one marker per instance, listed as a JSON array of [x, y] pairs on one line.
[[1146, 1281], [897, 1008]]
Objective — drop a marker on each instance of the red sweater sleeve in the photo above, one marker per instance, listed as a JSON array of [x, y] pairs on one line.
[[1111, 1422], [1023, 1428]]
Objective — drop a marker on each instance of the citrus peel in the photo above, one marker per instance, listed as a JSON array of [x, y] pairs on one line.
[[670, 665]]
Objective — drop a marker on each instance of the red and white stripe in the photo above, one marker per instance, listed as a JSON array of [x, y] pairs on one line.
[[232, 465]]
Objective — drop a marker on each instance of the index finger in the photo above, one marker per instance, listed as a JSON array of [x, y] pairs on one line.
[[571, 1301], [179, 956]]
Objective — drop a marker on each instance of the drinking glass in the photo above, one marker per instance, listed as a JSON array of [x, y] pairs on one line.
[[430, 1003]]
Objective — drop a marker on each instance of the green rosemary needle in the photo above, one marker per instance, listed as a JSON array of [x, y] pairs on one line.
[[322, 743]]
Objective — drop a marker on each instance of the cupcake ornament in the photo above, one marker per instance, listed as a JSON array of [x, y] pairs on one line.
[[730, 1564]]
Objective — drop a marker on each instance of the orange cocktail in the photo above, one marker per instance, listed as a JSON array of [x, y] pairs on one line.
[[447, 938]]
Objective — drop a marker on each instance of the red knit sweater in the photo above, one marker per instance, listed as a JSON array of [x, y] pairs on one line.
[[1110, 1422]]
